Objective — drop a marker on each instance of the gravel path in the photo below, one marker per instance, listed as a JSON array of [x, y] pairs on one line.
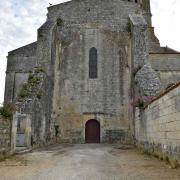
[[86, 162]]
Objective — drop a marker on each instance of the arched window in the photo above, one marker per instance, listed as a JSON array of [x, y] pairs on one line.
[[93, 64]]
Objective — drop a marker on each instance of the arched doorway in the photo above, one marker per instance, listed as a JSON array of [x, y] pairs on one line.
[[92, 131]]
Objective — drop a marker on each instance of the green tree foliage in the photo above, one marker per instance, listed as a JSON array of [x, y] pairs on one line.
[[7, 109]]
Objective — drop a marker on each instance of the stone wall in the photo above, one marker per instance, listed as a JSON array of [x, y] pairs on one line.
[[4, 135], [63, 50], [78, 98], [112, 15], [157, 128], [167, 67], [20, 63]]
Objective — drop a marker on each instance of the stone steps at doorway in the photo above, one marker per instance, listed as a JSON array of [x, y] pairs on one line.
[[22, 150]]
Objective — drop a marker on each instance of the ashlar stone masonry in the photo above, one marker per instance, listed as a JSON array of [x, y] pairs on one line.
[[90, 59]]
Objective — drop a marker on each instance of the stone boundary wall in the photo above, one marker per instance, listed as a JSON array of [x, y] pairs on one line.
[[4, 136], [157, 127]]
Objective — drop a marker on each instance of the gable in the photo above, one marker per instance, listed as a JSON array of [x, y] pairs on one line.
[[110, 14]]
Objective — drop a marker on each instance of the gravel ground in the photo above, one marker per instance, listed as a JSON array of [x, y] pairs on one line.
[[86, 162]]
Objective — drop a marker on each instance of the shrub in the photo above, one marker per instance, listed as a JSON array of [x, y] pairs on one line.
[[39, 69], [24, 91], [60, 22], [142, 101], [32, 79], [138, 102], [7, 110], [40, 93]]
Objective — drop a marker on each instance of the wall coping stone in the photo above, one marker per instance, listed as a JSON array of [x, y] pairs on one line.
[[174, 86]]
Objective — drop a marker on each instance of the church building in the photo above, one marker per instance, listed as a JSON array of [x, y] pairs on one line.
[[77, 82]]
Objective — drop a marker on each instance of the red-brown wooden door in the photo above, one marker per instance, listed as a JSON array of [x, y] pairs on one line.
[[92, 131]]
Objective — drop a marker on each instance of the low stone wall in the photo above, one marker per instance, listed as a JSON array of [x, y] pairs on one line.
[[157, 128], [4, 136]]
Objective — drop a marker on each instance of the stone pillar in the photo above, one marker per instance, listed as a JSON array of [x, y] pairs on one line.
[[28, 131], [139, 41], [147, 12], [13, 132], [145, 77]]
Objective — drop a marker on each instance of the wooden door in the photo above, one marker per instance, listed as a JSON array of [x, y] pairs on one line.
[[92, 131]]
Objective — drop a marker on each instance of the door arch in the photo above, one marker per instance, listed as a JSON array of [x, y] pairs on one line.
[[92, 131]]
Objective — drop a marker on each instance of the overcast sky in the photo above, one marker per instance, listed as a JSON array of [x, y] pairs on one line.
[[19, 20]]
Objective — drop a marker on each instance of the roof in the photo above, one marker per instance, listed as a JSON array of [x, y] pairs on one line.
[[29, 49], [164, 50]]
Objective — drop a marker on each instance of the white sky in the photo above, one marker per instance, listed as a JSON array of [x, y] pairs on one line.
[[19, 20]]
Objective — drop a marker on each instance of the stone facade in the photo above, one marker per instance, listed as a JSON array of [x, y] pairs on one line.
[[5, 127], [157, 128], [49, 80]]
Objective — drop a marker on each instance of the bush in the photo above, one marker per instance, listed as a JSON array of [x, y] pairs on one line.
[[24, 91], [7, 110], [40, 94], [32, 79], [60, 22], [142, 101], [39, 69]]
